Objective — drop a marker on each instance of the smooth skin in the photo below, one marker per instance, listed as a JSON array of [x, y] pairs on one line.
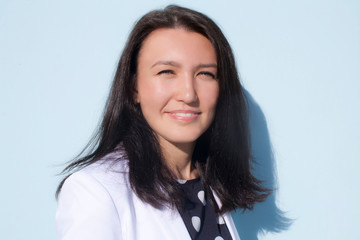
[[177, 88]]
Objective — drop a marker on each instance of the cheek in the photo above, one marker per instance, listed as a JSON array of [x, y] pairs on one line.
[[210, 94], [152, 95]]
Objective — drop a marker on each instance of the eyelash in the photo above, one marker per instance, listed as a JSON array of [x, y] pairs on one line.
[[200, 73], [166, 72], [208, 74]]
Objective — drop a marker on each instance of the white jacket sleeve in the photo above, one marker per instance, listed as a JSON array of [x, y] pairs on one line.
[[86, 211]]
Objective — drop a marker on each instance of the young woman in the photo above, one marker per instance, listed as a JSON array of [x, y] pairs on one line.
[[171, 157]]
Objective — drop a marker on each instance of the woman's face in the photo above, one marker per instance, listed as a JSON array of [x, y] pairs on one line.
[[177, 85]]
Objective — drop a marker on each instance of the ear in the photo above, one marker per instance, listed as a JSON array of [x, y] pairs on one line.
[[136, 97]]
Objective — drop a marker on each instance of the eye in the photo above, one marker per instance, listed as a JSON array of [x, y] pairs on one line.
[[167, 71], [208, 74]]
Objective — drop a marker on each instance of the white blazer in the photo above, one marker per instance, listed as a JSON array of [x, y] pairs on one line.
[[97, 203]]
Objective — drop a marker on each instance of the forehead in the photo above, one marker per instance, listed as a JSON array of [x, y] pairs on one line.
[[177, 44]]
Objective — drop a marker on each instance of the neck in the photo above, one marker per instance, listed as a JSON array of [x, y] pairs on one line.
[[178, 158]]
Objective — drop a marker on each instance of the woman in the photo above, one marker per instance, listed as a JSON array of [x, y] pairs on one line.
[[171, 158]]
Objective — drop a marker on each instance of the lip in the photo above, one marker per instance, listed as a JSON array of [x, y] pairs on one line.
[[184, 115]]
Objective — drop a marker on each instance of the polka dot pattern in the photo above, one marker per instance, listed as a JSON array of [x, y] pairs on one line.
[[220, 220], [199, 214], [201, 196], [181, 181], [196, 222]]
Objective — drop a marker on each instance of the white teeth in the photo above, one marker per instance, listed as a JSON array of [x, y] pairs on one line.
[[184, 114]]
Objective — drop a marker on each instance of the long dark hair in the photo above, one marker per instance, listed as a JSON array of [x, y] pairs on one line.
[[221, 154]]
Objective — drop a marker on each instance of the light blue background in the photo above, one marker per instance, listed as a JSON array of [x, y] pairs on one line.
[[299, 61]]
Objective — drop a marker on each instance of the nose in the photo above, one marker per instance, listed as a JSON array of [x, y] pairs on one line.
[[186, 89]]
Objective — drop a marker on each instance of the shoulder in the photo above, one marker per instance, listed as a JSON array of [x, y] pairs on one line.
[[115, 164], [104, 177], [109, 170], [90, 196]]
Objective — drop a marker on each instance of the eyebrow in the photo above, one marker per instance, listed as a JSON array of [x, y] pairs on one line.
[[175, 64]]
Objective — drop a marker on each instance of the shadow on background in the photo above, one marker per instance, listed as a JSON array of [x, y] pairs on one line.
[[266, 216]]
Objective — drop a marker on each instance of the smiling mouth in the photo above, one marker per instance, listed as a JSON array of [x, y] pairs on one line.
[[186, 116]]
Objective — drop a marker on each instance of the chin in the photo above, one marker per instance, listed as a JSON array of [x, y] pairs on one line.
[[185, 139]]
